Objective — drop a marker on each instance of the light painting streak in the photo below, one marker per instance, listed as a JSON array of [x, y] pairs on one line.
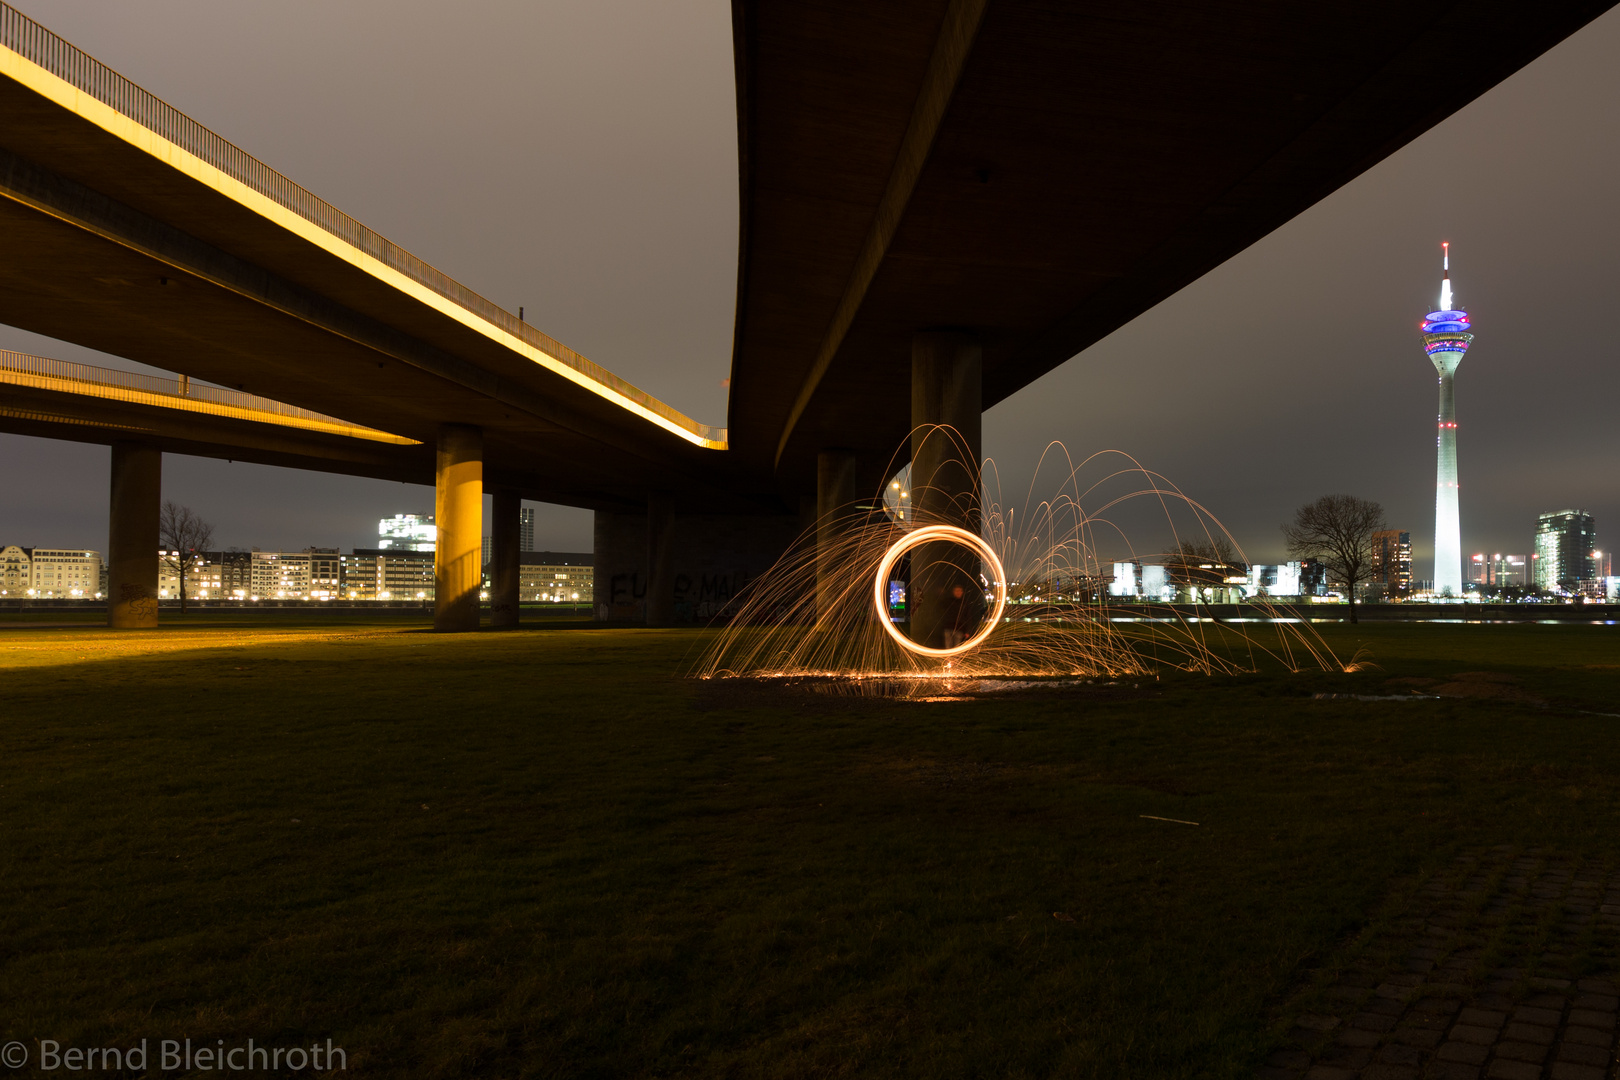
[[1046, 614], [927, 534]]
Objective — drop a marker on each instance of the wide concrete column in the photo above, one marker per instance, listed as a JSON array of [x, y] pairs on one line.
[[132, 536], [660, 560], [836, 472], [458, 508], [505, 571], [945, 599]]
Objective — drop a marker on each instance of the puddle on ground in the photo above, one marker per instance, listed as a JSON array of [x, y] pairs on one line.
[[952, 689]]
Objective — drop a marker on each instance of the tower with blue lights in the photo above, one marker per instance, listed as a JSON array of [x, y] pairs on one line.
[[1446, 338]]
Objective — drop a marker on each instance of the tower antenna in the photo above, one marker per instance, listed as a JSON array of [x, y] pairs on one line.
[[1445, 276]]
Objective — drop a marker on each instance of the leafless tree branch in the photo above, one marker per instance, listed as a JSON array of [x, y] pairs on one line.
[[181, 536], [1337, 530]]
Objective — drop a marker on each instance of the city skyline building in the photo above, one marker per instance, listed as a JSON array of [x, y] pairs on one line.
[[49, 573], [556, 576], [408, 532], [400, 574], [1566, 543], [1392, 560], [1446, 338], [1497, 570], [1510, 569]]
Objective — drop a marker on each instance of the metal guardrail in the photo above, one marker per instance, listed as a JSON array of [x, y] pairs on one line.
[[99, 380], [73, 65]]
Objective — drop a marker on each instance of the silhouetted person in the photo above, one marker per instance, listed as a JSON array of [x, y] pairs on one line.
[[956, 615]]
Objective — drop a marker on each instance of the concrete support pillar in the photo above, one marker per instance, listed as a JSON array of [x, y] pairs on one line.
[[836, 493], [132, 536], [458, 508], [945, 597], [505, 571], [660, 560]]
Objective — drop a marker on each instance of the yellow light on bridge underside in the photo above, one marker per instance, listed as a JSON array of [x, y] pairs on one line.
[[88, 108]]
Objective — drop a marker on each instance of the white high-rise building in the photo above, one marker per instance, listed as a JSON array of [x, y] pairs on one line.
[[412, 532], [1126, 575], [1445, 340], [526, 529]]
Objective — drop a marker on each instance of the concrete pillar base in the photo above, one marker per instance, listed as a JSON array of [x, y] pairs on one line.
[[837, 490], [660, 560], [132, 536], [506, 559], [459, 512], [945, 598]]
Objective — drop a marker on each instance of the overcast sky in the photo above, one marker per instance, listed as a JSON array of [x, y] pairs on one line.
[[578, 158]]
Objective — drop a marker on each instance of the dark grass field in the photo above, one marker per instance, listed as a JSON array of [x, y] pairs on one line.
[[544, 853]]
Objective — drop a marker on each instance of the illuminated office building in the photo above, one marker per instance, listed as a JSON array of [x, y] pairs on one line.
[[1503, 570], [1126, 575], [1446, 338], [203, 575], [391, 574], [1566, 546], [1392, 560], [325, 573], [1497, 571], [409, 532], [556, 576], [279, 575]]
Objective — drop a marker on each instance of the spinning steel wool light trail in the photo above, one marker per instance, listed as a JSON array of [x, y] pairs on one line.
[[930, 534], [1020, 593]]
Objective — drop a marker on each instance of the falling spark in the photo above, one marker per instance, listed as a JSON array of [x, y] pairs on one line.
[[1044, 615]]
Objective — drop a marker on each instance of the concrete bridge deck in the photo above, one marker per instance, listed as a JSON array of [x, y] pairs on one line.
[[55, 399]]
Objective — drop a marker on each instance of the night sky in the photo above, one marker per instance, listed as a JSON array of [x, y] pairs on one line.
[[579, 159]]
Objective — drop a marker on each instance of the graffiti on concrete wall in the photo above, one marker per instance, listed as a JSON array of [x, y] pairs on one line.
[[703, 596], [697, 595], [626, 589]]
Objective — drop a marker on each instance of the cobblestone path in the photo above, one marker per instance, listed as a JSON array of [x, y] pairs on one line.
[[1505, 965]]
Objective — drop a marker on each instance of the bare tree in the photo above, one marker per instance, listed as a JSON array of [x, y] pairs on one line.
[[1336, 530], [182, 535]]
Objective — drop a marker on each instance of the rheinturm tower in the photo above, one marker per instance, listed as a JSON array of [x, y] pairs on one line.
[[1446, 339]]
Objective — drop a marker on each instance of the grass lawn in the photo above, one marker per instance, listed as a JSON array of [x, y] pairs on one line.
[[544, 853]]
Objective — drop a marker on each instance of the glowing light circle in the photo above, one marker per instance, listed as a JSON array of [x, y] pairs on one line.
[[925, 535]]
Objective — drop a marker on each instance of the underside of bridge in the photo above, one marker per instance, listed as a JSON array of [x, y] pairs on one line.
[[1040, 173], [107, 407], [147, 245]]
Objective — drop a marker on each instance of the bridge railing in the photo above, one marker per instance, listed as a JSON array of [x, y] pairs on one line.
[[89, 378], [74, 66]]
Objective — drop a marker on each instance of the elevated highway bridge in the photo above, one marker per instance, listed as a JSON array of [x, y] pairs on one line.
[[941, 200]]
